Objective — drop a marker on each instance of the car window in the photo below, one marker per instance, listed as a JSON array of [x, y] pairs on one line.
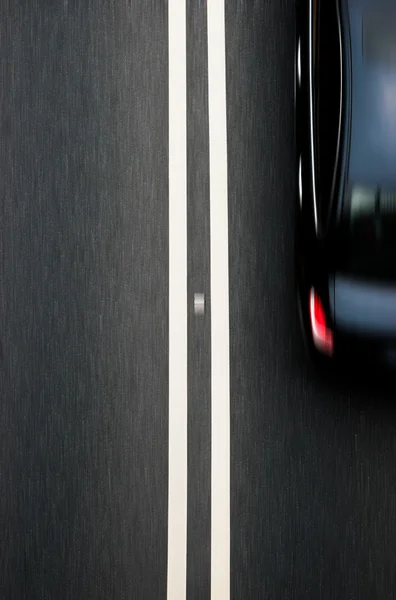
[[379, 43], [369, 232], [327, 79], [376, 205]]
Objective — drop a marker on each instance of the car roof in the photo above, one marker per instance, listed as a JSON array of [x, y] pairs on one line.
[[372, 150]]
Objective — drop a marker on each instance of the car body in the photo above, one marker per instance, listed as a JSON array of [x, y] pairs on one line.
[[345, 101]]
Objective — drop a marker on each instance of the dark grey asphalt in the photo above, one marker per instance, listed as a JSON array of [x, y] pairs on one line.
[[198, 232], [84, 324], [84, 301]]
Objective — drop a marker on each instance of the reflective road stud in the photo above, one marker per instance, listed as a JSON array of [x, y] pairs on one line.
[[199, 304]]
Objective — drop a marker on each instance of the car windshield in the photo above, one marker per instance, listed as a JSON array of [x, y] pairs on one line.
[[369, 232], [379, 44]]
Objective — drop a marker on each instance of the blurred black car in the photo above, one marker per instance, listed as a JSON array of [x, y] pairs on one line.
[[345, 98]]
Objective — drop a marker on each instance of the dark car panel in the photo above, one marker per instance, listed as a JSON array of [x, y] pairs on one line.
[[320, 107], [304, 166], [327, 101]]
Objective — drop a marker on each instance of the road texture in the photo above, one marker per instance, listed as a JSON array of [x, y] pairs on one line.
[[84, 324], [83, 413]]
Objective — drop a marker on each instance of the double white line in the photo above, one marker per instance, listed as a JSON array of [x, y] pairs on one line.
[[220, 394]]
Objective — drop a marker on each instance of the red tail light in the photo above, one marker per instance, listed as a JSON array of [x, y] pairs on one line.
[[322, 335]]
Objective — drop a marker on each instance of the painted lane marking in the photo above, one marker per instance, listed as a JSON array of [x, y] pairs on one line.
[[177, 475], [220, 384]]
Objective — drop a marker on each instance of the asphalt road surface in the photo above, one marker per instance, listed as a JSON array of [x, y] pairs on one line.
[[84, 325]]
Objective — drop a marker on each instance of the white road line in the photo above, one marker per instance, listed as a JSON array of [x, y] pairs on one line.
[[177, 482], [220, 479]]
